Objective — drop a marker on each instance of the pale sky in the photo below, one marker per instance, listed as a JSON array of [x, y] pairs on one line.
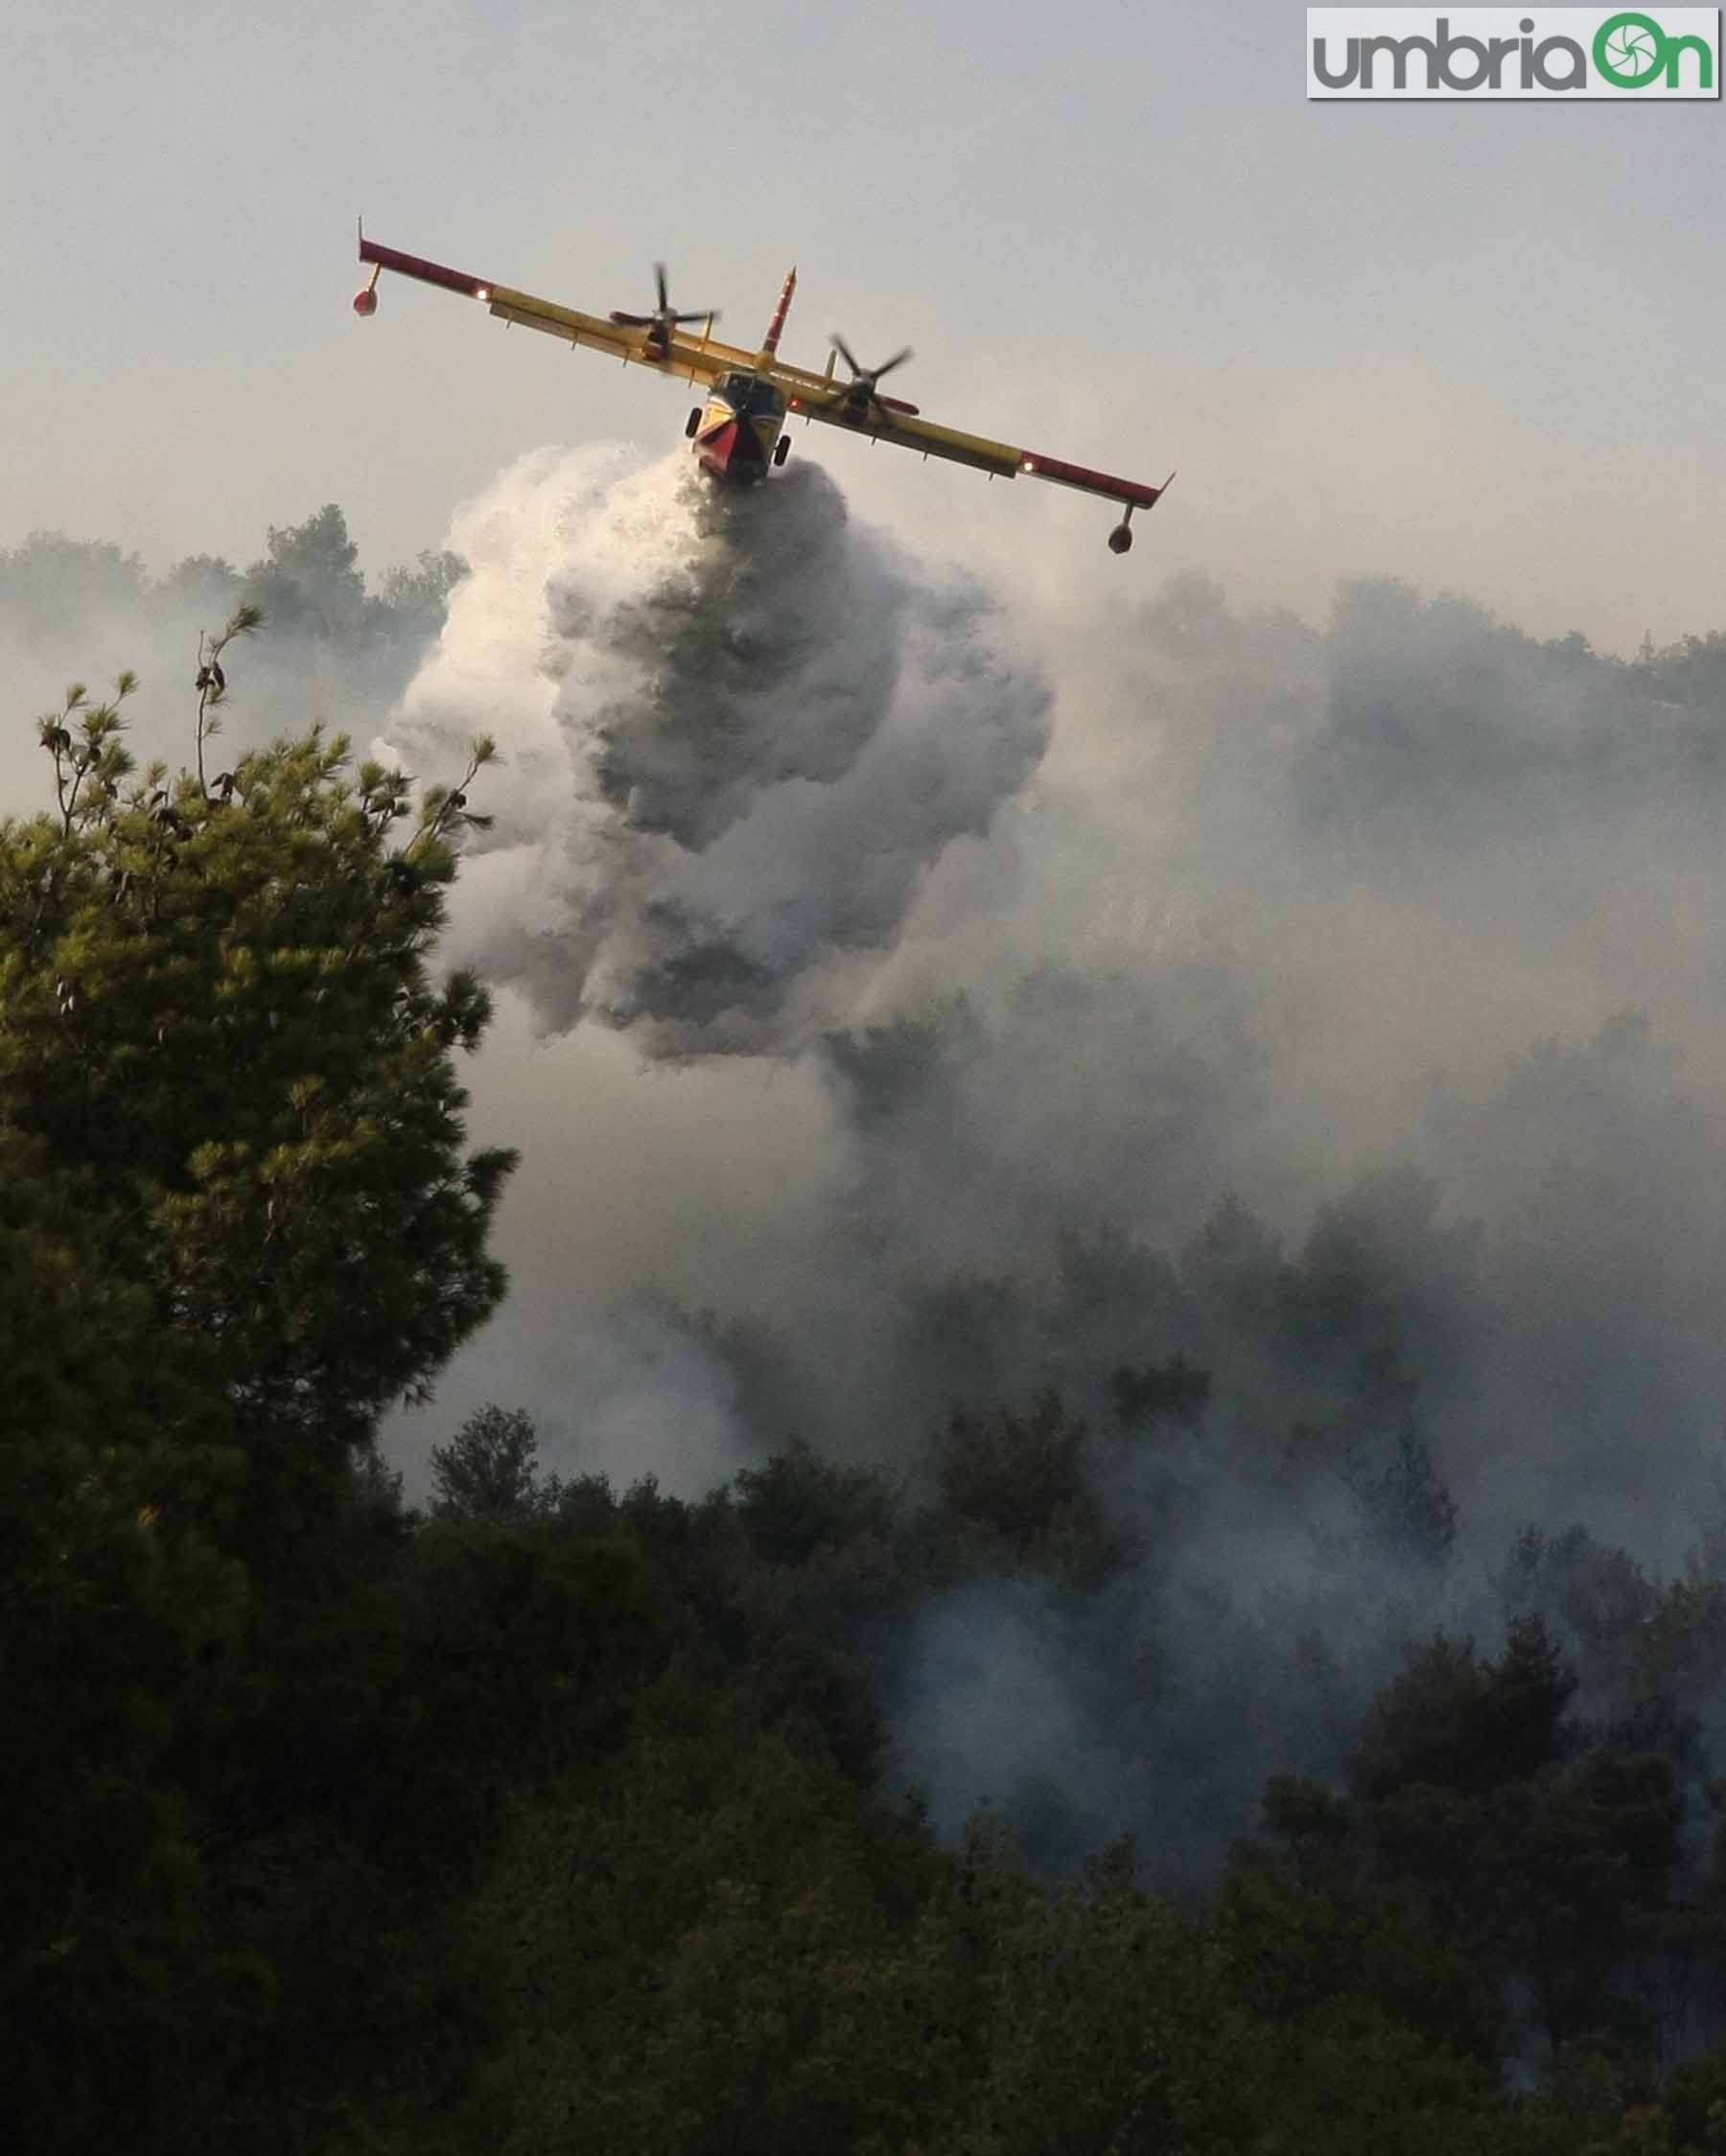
[[1474, 346]]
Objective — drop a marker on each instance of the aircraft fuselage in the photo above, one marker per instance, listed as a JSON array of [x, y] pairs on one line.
[[740, 427]]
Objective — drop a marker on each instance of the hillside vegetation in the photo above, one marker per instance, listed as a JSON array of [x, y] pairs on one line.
[[557, 1817]]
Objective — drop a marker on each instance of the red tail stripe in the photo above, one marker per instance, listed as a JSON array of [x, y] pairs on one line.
[[770, 342], [428, 272]]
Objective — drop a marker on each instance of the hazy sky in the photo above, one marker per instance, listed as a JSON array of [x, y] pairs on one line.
[[1473, 346]]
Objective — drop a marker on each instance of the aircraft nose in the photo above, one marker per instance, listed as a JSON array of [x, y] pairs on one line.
[[730, 452]]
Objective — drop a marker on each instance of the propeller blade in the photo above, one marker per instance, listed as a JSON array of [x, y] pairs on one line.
[[664, 316], [864, 379]]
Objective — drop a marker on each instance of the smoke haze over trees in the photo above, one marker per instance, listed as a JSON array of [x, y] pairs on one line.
[[1334, 1008], [1236, 1364], [74, 609]]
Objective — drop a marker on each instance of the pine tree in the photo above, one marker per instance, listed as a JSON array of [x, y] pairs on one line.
[[237, 1219], [214, 1005]]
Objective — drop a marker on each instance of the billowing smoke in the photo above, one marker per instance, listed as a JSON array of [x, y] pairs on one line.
[[1375, 1066], [1334, 1012], [739, 731]]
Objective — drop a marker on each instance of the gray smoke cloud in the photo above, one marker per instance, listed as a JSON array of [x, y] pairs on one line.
[[1336, 1007], [739, 732], [1401, 932]]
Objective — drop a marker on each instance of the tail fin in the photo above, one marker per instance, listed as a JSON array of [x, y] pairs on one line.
[[770, 342]]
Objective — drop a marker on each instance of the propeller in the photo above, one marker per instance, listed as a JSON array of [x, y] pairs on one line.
[[664, 317], [861, 390]]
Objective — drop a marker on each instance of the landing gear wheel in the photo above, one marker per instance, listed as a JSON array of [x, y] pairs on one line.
[[781, 448], [693, 421]]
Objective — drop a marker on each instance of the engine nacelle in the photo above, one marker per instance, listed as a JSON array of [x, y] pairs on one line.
[[1120, 539], [365, 301]]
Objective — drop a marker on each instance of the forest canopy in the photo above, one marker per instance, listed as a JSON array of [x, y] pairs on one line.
[[556, 1814]]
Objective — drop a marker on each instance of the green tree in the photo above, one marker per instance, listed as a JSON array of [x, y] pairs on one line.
[[1691, 671], [1553, 1865], [1309, 1928], [489, 1470], [1110, 2027], [415, 599], [308, 579], [236, 1219], [704, 1947], [1451, 1720], [113, 1602], [1022, 1481], [217, 1007]]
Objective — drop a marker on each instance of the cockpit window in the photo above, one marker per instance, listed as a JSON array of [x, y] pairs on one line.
[[747, 393]]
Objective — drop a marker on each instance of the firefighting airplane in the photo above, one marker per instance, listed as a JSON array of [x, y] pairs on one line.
[[739, 431]]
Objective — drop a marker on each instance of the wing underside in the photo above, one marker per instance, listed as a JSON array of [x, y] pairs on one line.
[[697, 359], [1000, 459], [808, 395]]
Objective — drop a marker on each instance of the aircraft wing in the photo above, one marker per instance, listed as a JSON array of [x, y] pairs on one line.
[[697, 359], [817, 396]]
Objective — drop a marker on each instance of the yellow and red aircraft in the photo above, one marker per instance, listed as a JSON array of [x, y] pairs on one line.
[[739, 431]]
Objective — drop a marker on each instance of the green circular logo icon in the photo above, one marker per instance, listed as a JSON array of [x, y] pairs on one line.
[[1630, 50]]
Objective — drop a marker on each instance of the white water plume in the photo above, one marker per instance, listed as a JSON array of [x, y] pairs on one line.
[[738, 728]]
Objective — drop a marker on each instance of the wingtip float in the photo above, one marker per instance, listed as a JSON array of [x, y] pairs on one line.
[[739, 433]]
